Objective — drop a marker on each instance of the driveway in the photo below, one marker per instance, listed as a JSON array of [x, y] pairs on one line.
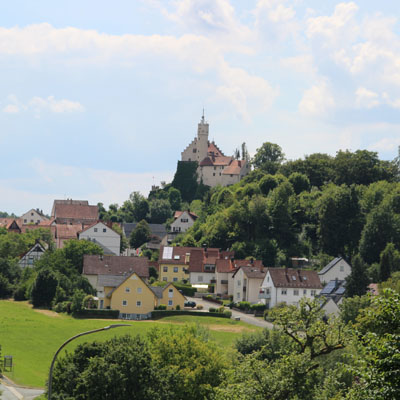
[[10, 391], [248, 318]]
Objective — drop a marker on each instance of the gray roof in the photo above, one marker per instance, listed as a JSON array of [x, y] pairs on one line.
[[155, 229], [111, 280], [157, 290], [106, 250], [330, 265]]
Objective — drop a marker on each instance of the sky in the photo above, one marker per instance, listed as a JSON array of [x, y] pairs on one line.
[[98, 99]]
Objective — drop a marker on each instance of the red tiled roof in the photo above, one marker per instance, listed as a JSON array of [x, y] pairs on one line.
[[234, 168], [248, 263], [179, 213], [76, 211], [64, 231], [115, 265], [224, 266], [196, 260], [176, 252], [215, 161], [213, 149], [295, 278]]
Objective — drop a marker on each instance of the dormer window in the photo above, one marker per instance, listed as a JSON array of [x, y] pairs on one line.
[[293, 277], [177, 257]]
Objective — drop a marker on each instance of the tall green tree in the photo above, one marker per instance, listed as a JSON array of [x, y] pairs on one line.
[[140, 206], [140, 235], [44, 288], [357, 282], [160, 211], [174, 198], [185, 179], [268, 158]]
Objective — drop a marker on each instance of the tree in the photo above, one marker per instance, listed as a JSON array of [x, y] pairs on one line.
[[120, 368], [74, 251], [5, 288], [268, 158], [357, 282], [140, 235], [300, 182], [44, 288], [140, 206], [185, 179], [160, 211], [174, 198], [124, 241], [351, 307], [390, 262]]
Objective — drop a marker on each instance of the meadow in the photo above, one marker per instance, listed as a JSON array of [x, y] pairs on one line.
[[33, 336]]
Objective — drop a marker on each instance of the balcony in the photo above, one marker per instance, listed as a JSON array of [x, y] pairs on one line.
[[264, 295]]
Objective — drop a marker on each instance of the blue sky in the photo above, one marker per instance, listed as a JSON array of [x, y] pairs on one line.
[[98, 99]]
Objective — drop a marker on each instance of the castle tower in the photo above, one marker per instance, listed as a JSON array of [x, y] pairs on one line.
[[198, 149]]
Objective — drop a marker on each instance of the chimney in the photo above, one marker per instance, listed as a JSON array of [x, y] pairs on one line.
[[187, 258]]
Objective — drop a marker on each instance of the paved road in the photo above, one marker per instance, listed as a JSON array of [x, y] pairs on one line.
[[12, 392], [248, 318]]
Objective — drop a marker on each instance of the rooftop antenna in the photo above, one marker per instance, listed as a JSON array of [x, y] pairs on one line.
[[202, 118]]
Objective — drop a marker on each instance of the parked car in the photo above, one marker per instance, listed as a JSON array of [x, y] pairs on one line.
[[190, 304]]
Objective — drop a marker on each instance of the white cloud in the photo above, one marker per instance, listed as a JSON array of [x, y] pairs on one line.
[[303, 64], [11, 109], [385, 144], [39, 104], [317, 101], [56, 106], [366, 98]]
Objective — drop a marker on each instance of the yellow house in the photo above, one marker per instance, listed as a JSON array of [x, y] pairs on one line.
[[169, 295], [133, 298], [136, 300], [174, 263]]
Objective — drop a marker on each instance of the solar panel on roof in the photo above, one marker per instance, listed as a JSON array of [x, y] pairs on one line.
[[167, 253], [328, 289], [341, 290]]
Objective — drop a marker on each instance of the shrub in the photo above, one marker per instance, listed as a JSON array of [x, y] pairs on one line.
[[161, 307], [244, 305], [228, 313], [20, 293], [61, 307], [212, 309], [178, 307], [221, 309], [257, 307], [199, 307]]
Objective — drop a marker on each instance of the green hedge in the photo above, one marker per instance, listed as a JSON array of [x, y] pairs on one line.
[[157, 314], [185, 289], [111, 314]]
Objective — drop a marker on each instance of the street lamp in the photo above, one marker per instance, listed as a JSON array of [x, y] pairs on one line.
[[70, 340]]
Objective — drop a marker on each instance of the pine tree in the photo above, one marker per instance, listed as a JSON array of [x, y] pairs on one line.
[[357, 282]]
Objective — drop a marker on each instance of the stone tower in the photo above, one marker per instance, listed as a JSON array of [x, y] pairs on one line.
[[198, 149]]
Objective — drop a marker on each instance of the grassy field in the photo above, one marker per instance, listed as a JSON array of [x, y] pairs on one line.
[[33, 336]]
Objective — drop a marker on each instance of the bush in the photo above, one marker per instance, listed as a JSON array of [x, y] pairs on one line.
[[228, 313], [161, 307], [244, 305], [6, 288], [20, 293], [178, 307], [156, 314], [221, 309], [95, 313], [212, 309], [64, 306], [199, 307], [257, 307], [186, 290]]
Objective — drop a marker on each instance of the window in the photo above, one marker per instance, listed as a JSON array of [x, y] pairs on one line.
[[184, 220], [138, 303], [239, 283], [238, 295], [165, 269], [127, 289], [25, 221], [220, 174], [215, 168], [200, 278], [213, 173], [296, 292], [267, 278], [284, 291], [95, 229], [170, 303], [305, 292], [32, 214], [267, 291], [124, 303], [139, 290], [175, 279], [194, 150], [293, 278], [165, 279], [104, 230], [313, 292], [175, 269], [171, 290], [341, 268]]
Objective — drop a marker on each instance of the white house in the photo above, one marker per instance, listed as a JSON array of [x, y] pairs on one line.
[[288, 285], [332, 296], [33, 254], [183, 220], [104, 236], [247, 281], [337, 269], [33, 217]]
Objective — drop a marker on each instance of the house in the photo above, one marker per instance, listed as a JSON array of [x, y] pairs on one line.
[[33, 217], [136, 300], [158, 236], [338, 268], [64, 232], [224, 268], [214, 168], [34, 253], [183, 220], [74, 212], [247, 279], [104, 236], [332, 295], [174, 263], [11, 224], [107, 272], [288, 285]]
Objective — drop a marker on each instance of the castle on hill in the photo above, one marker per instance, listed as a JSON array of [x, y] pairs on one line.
[[214, 168]]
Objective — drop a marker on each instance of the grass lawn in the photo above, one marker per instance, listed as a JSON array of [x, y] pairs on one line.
[[33, 336]]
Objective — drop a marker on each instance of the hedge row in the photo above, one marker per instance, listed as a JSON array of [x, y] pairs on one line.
[[157, 314], [185, 289], [94, 313]]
